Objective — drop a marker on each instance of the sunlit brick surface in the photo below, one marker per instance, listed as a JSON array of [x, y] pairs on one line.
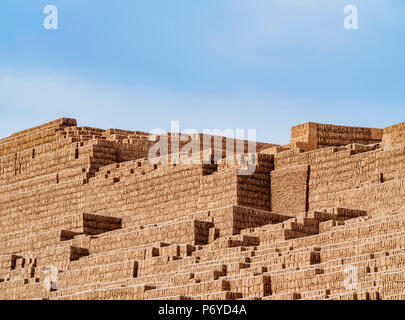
[[115, 225]]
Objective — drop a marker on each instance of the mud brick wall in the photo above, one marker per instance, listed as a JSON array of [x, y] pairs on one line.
[[30, 138], [289, 189], [304, 136], [161, 195], [394, 136], [310, 136], [253, 286], [231, 220], [23, 166], [26, 207], [227, 186], [44, 183], [254, 190], [386, 197], [52, 179], [190, 231], [245, 218], [296, 156], [221, 146], [355, 171], [218, 190], [213, 141], [146, 193], [51, 186], [118, 226], [340, 169], [95, 224]]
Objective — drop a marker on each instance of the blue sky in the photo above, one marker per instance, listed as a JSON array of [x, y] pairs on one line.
[[261, 64]]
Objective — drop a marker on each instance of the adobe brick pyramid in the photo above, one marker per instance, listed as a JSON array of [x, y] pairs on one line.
[[85, 215]]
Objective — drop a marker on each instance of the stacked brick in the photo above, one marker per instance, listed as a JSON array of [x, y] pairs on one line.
[[394, 136], [111, 224], [289, 189], [311, 136]]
